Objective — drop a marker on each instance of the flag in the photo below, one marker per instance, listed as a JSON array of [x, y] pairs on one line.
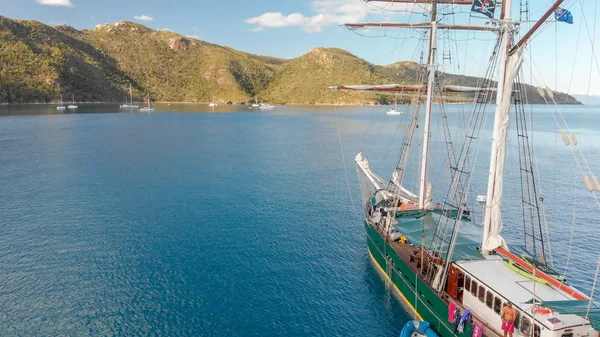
[[563, 15], [485, 7]]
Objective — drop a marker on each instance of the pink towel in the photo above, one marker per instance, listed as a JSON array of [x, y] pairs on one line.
[[477, 330], [451, 309]]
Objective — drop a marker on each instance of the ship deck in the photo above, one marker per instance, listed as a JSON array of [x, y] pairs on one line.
[[519, 289], [409, 252], [490, 270]]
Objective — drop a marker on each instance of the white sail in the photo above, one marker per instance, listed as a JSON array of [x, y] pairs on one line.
[[403, 190], [492, 227]]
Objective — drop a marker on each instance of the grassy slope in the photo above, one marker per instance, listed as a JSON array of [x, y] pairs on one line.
[[39, 62]]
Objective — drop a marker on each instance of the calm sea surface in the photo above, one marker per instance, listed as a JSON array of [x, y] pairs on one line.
[[190, 222]]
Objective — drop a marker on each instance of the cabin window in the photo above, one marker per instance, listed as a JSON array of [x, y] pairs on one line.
[[525, 326], [497, 305], [568, 334], [536, 330], [474, 288], [489, 299], [517, 320], [468, 283], [481, 294]]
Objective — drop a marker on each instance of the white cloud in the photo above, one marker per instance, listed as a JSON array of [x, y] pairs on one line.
[[327, 12], [143, 18], [65, 3]]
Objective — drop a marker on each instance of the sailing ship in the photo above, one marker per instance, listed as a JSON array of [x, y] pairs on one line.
[[148, 108], [72, 105], [431, 254], [61, 106], [130, 103]]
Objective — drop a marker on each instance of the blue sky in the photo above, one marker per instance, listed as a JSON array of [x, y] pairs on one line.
[[291, 28]]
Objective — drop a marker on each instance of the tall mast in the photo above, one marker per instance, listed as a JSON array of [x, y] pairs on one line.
[[130, 95], [429, 103], [511, 56]]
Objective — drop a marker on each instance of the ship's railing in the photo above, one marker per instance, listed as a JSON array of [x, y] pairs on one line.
[[489, 331]]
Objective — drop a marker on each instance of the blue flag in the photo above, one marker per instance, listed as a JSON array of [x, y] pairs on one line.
[[563, 15]]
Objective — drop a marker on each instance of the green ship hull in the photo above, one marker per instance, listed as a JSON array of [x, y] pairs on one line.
[[429, 306]]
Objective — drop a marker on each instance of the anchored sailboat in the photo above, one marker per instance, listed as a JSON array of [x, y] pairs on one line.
[[149, 107], [446, 268], [213, 103], [265, 106], [61, 106], [72, 105], [130, 103], [394, 111]]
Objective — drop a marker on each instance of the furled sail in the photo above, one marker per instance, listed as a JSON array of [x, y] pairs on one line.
[[369, 182], [403, 191], [382, 87], [408, 88], [493, 218]]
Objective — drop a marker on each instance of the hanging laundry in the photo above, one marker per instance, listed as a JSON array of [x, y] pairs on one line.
[[465, 318], [477, 330], [451, 309], [457, 317]]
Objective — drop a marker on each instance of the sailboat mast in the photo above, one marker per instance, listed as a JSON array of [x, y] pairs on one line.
[[130, 95], [428, 106]]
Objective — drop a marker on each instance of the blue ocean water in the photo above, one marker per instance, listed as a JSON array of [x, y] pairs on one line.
[[235, 223]]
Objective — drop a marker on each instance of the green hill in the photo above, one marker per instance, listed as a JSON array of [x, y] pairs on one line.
[[305, 80], [38, 63]]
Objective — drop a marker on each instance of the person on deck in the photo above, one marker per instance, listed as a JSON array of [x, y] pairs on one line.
[[509, 314], [373, 202]]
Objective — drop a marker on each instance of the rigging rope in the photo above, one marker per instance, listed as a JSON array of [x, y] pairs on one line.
[[344, 161], [562, 131], [339, 136]]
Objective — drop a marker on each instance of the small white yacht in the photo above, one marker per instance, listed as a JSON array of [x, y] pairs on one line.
[[72, 105], [266, 107], [394, 111], [148, 108], [61, 106], [213, 103], [130, 103], [255, 105]]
